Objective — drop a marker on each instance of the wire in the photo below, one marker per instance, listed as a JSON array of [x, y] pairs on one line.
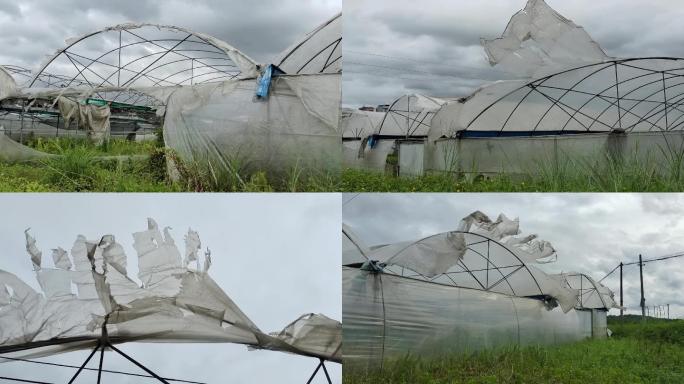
[[672, 256], [85, 368], [24, 381], [610, 273], [681, 254]]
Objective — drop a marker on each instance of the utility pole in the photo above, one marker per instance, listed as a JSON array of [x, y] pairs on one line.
[[621, 304], [668, 311], [641, 279]]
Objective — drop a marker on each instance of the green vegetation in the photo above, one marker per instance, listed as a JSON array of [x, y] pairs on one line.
[[650, 352], [605, 174], [124, 166]]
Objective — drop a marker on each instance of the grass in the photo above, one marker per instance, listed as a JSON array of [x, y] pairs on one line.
[[591, 174], [637, 353], [82, 166], [124, 166]]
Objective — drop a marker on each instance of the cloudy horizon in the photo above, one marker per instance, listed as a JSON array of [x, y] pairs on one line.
[[33, 29], [592, 233], [433, 47]]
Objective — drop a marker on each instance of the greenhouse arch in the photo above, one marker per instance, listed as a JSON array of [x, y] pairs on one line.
[[626, 95]]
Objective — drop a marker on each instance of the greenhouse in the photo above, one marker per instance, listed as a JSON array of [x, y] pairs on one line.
[[89, 302], [407, 120], [562, 97], [218, 108], [475, 288]]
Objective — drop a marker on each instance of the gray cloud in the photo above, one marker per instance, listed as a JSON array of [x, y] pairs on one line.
[[591, 232], [31, 29], [433, 47]]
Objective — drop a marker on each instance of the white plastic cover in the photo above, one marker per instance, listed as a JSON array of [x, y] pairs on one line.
[[173, 304], [320, 51], [221, 127], [357, 124], [386, 317], [90, 118], [11, 151], [8, 85], [540, 39], [409, 116], [482, 254]]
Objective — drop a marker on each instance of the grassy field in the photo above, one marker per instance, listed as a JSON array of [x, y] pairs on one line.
[[637, 353], [124, 166], [569, 176]]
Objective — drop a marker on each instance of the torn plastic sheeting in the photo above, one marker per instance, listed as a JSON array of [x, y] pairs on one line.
[[8, 85], [174, 304], [479, 223], [474, 260], [315, 334], [320, 51], [430, 257], [539, 37], [91, 118]]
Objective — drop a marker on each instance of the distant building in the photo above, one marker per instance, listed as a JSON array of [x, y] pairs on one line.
[[382, 108], [364, 108]]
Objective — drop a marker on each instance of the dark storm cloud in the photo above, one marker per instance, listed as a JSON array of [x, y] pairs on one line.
[[433, 47], [29, 30], [592, 233]]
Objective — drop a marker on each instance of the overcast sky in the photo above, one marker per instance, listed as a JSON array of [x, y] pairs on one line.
[[592, 233], [31, 29], [395, 47], [276, 255]]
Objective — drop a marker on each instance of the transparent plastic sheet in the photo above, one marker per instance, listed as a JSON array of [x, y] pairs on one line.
[[320, 51], [8, 85], [12, 152], [353, 250], [359, 155], [356, 124], [174, 304], [386, 317], [409, 116], [221, 127], [316, 334], [593, 294], [538, 38], [411, 158]]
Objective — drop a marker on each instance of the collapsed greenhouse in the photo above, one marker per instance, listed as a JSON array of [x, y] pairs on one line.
[[475, 288], [566, 98], [217, 107], [88, 302]]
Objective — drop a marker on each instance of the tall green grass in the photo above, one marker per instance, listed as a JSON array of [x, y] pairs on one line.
[[599, 173], [637, 353], [124, 166]]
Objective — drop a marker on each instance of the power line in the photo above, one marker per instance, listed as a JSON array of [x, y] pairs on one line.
[[672, 256], [609, 273], [85, 368], [23, 380], [681, 254]]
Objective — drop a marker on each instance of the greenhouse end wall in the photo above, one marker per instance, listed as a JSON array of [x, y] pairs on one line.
[[222, 126], [523, 155], [386, 317]]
